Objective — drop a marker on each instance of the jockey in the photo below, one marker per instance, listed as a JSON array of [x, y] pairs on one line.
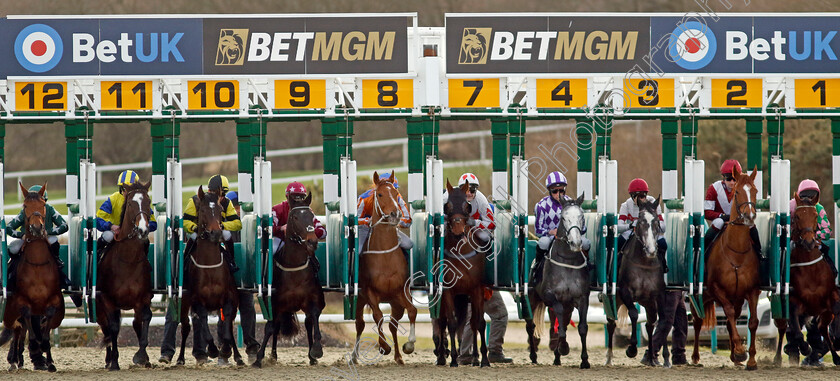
[[482, 217], [218, 185], [280, 214], [54, 224], [809, 191], [629, 213], [365, 211], [547, 213], [109, 215], [718, 205]]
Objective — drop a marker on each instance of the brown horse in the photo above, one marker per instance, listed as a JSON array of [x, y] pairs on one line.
[[209, 281], [383, 272], [37, 305], [297, 286], [812, 287], [463, 256], [124, 280], [732, 273]]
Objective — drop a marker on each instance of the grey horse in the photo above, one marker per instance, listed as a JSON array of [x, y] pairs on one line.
[[564, 284], [640, 277]]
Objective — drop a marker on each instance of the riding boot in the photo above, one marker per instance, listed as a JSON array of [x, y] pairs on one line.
[[407, 256], [661, 252], [756, 243], [316, 266], [55, 251], [11, 281], [827, 256], [229, 257], [101, 248], [146, 245], [537, 268], [710, 237]]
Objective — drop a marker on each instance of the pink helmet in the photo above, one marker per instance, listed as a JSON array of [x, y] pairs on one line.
[[808, 184]]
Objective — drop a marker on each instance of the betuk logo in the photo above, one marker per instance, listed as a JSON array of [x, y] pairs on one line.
[[474, 45], [231, 47], [38, 48]]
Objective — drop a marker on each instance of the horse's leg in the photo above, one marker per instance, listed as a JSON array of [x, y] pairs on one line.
[[438, 339], [142, 318], [752, 299], [103, 319], [21, 342], [781, 326], [583, 329], [34, 339], [559, 312], [12, 357], [199, 321], [698, 325], [274, 347], [267, 334], [652, 311], [610, 333], [185, 330], [397, 312], [447, 315], [530, 326], [373, 302], [316, 306], [478, 325], [732, 311], [407, 305], [825, 319], [360, 325], [627, 299], [231, 340]]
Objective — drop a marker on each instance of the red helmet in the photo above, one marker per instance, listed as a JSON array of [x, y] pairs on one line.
[[728, 165], [637, 185], [295, 188]]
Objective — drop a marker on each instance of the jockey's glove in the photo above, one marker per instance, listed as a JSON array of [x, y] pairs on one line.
[[724, 217], [226, 235]]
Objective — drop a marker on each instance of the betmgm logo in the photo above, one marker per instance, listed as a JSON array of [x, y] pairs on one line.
[[231, 48], [474, 45]]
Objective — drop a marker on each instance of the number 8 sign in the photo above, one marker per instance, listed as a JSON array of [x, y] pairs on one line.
[[388, 93]]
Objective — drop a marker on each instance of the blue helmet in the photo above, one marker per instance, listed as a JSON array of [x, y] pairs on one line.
[[36, 189], [387, 177], [232, 196]]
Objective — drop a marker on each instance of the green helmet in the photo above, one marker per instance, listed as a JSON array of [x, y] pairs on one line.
[[36, 189]]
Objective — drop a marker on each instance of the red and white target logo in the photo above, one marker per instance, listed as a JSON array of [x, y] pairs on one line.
[[692, 45], [38, 48]]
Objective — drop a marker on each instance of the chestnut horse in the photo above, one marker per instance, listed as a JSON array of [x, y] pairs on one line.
[[732, 273], [38, 304], [296, 282], [124, 278], [462, 255], [383, 272], [812, 288], [209, 281]]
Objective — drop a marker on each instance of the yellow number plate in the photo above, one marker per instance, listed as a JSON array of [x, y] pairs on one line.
[[128, 95], [212, 95], [647, 93], [817, 93], [561, 93], [729, 93], [300, 94], [40, 96], [388, 93], [465, 93]]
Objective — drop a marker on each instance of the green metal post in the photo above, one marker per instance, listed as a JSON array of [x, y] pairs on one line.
[[835, 152], [688, 127], [416, 161], [516, 128], [329, 132], [775, 139], [584, 131], [755, 127], [243, 146], [670, 183]]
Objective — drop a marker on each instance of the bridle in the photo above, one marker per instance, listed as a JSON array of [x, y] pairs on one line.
[[384, 218], [295, 237]]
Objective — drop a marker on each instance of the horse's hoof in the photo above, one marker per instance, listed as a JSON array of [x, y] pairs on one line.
[[557, 361], [485, 363], [40, 367], [631, 351], [835, 359], [533, 358], [316, 352], [114, 366], [180, 362], [273, 356], [804, 348], [223, 362], [13, 367], [441, 361], [201, 361], [399, 361], [752, 367], [563, 348], [140, 359], [475, 363], [239, 362], [739, 357], [584, 364], [408, 348], [384, 349], [313, 361], [164, 359], [453, 364], [212, 351]]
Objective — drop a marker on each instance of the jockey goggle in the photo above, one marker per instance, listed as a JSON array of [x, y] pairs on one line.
[[297, 197], [556, 190], [472, 188], [636, 195], [728, 178]]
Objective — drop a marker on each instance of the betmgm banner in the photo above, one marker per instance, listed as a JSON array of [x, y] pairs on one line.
[[593, 43], [344, 44]]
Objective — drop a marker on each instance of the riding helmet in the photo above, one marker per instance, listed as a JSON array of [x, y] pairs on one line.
[[218, 182], [295, 188], [555, 178], [728, 165], [36, 189], [637, 185], [468, 178], [127, 177]]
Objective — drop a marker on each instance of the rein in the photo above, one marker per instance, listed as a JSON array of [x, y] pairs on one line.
[[383, 219], [804, 230]]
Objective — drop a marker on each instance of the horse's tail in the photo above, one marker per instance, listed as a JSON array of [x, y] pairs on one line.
[[710, 320], [622, 316], [5, 336], [288, 324], [539, 320]]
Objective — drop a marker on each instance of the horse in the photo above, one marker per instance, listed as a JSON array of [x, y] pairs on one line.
[[124, 281], [813, 292], [732, 273], [462, 255], [383, 272], [640, 277], [564, 285], [296, 282], [37, 305], [209, 282]]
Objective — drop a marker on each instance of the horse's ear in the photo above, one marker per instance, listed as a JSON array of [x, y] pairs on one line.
[[448, 186], [754, 173], [43, 189], [201, 192], [393, 177], [579, 200], [817, 199], [375, 178], [797, 198], [447, 208], [147, 185], [736, 172], [467, 208], [656, 201], [465, 187], [23, 189], [308, 199]]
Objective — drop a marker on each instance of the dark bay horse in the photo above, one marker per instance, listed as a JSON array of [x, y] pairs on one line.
[[383, 272], [732, 273], [209, 281], [564, 285], [296, 283], [640, 277], [124, 278], [813, 292], [37, 305], [462, 255]]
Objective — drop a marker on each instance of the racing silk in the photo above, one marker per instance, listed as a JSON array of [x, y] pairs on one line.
[[547, 213], [629, 212], [54, 223], [718, 200], [110, 213], [364, 209], [482, 212], [280, 215], [230, 220], [824, 232]]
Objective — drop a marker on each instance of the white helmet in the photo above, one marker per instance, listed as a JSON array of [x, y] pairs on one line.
[[468, 178]]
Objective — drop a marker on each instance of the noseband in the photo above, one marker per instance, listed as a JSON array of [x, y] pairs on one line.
[[384, 218]]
